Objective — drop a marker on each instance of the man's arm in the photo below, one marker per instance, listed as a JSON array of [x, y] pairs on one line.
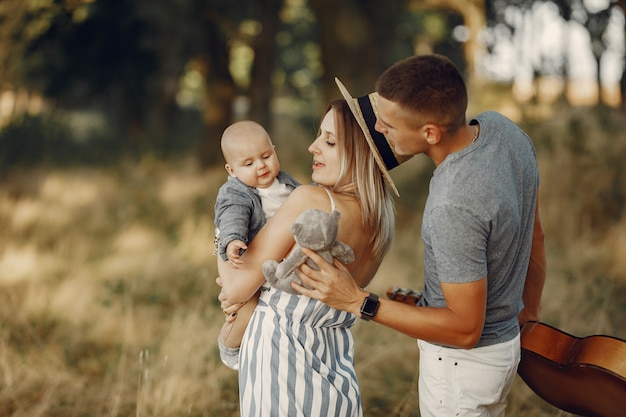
[[459, 324], [536, 275]]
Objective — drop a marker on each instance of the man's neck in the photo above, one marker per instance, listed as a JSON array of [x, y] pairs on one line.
[[460, 140]]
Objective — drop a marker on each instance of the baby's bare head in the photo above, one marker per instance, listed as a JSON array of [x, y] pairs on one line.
[[238, 138]]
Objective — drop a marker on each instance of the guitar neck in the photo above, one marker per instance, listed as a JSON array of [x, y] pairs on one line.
[[404, 295]]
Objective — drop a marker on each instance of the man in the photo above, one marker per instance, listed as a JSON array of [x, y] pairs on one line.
[[484, 255]]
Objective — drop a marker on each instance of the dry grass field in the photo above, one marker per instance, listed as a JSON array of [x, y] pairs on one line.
[[108, 302]]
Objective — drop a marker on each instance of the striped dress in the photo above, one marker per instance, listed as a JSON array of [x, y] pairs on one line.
[[297, 360]]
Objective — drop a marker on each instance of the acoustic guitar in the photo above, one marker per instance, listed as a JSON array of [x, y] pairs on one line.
[[584, 376]]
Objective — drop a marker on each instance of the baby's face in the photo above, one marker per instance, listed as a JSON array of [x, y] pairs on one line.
[[254, 161]]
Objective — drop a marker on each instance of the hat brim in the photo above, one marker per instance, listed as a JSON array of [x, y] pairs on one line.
[[379, 145]]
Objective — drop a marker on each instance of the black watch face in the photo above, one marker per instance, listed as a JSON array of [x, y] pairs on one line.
[[369, 307]]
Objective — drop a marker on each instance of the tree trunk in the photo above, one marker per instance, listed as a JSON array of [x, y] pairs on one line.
[[261, 88], [474, 17], [622, 85], [219, 95], [354, 38]]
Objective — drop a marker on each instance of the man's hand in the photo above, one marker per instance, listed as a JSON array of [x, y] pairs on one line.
[[332, 284], [525, 316]]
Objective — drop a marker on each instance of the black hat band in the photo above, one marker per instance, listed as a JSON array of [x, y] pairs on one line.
[[379, 139]]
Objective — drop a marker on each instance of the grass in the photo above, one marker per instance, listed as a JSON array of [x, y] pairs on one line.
[[108, 303]]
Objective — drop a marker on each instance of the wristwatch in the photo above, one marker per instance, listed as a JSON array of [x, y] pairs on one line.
[[369, 307]]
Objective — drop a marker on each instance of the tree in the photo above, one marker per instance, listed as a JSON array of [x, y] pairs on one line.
[[79, 55], [572, 14], [473, 14], [356, 41], [124, 58], [621, 4], [212, 61], [265, 54]]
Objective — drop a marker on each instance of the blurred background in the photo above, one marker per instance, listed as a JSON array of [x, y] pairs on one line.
[[111, 113]]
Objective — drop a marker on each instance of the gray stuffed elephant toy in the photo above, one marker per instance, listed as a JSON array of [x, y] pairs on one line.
[[314, 229]]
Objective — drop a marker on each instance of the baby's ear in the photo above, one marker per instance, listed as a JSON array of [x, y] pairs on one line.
[[230, 170]]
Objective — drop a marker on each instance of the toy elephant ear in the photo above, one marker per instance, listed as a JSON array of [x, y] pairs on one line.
[[296, 228], [332, 224]]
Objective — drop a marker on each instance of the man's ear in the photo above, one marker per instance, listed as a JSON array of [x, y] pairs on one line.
[[230, 170], [432, 133]]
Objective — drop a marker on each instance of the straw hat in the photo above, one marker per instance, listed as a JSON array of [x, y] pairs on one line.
[[365, 111]]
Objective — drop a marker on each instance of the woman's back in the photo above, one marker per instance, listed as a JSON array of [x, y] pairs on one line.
[[275, 240], [352, 231]]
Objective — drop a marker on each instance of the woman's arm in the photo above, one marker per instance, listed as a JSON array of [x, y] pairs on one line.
[[274, 241]]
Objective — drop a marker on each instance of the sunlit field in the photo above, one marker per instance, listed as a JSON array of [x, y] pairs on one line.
[[108, 301]]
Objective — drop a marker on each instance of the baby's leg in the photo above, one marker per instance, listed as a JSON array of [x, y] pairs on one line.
[[231, 334]]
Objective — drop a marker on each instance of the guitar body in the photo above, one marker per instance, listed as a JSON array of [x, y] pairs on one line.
[[584, 376]]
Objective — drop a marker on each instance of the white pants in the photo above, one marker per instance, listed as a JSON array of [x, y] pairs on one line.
[[468, 383]]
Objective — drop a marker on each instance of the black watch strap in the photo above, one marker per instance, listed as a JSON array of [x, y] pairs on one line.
[[369, 307]]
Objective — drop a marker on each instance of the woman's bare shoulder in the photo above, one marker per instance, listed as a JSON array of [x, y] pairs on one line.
[[309, 196], [308, 190]]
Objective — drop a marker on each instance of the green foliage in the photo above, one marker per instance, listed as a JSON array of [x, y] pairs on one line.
[[62, 139], [34, 140], [48, 140], [88, 50]]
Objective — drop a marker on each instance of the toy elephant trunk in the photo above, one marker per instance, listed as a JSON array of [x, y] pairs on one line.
[[314, 229]]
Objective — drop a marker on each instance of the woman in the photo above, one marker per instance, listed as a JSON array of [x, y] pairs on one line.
[[297, 354]]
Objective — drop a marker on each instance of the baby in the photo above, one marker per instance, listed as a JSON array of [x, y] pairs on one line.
[[256, 187]]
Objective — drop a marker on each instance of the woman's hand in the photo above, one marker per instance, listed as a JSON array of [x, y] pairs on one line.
[[332, 284], [230, 310]]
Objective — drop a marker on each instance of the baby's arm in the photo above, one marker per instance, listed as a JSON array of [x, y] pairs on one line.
[[233, 250], [233, 210]]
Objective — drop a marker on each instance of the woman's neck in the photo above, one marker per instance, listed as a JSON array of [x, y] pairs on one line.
[[345, 189]]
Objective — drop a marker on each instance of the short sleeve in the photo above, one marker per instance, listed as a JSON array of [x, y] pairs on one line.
[[459, 244]]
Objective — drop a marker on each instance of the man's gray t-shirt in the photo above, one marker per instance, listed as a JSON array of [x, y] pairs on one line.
[[478, 221]]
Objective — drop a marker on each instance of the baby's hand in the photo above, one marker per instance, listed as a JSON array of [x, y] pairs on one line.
[[232, 253]]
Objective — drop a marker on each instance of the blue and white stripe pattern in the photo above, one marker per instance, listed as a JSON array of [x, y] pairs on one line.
[[297, 360]]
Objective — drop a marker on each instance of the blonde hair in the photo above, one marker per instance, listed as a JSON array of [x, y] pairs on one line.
[[359, 168]]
